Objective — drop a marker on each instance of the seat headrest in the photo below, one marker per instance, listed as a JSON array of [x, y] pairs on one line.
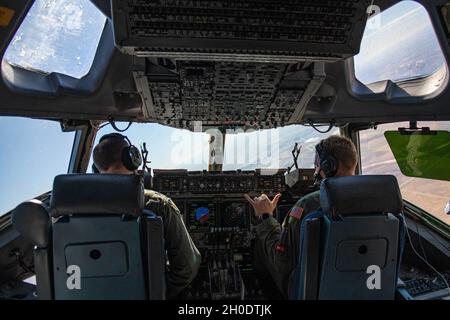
[[31, 219], [360, 195], [97, 194]]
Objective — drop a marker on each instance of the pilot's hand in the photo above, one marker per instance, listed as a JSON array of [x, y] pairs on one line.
[[263, 204]]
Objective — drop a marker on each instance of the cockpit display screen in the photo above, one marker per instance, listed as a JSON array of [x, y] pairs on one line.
[[235, 214], [201, 216]]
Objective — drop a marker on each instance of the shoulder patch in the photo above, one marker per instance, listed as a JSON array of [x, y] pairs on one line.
[[304, 206], [296, 212], [156, 198], [153, 195]]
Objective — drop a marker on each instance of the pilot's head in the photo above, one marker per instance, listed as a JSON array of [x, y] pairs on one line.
[[335, 157], [115, 154]]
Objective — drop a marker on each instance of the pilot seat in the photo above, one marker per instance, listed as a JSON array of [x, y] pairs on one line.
[[351, 248], [96, 229]]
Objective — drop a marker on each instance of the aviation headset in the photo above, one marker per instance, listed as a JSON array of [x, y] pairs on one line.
[[131, 156], [328, 163]]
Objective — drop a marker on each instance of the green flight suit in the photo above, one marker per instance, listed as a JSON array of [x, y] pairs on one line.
[[279, 244], [184, 258]]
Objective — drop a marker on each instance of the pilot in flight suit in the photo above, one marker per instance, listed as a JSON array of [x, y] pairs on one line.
[[278, 245], [183, 256], [115, 154]]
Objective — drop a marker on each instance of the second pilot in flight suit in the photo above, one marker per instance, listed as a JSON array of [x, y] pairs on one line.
[[278, 245]]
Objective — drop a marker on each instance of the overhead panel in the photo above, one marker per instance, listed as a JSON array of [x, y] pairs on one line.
[[229, 94], [230, 63], [250, 30]]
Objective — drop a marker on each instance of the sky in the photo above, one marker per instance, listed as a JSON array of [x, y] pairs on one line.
[[33, 152], [62, 36]]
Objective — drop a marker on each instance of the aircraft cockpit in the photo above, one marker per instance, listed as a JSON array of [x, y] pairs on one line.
[[224, 102]]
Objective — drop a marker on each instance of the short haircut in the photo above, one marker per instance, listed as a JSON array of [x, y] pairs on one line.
[[342, 149], [108, 153]]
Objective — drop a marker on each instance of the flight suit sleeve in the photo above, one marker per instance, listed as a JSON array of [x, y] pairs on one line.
[[275, 240], [184, 258], [281, 242]]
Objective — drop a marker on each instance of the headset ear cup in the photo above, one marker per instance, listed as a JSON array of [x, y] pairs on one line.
[[126, 159], [325, 166], [131, 158], [136, 157], [334, 165], [328, 163], [330, 166]]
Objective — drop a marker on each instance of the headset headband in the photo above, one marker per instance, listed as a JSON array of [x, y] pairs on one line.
[[115, 135]]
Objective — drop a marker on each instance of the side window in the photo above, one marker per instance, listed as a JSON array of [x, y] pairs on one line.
[[33, 153], [58, 36], [399, 44], [432, 196]]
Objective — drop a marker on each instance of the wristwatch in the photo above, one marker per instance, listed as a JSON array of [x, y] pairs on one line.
[[265, 216]]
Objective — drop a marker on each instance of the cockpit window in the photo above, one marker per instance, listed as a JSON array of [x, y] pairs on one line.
[[171, 148], [431, 195], [33, 153], [272, 149], [58, 36], [399, 44]]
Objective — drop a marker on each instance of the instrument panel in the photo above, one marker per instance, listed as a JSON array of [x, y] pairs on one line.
[[221, 223], [214, 201], [202, 216], [176, 182], [421, 284]]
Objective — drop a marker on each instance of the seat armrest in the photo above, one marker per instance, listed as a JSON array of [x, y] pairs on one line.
[[154, 254]]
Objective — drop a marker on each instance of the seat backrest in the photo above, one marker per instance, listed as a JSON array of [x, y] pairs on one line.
[[32, 220], [351, 248], [102, 243]]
